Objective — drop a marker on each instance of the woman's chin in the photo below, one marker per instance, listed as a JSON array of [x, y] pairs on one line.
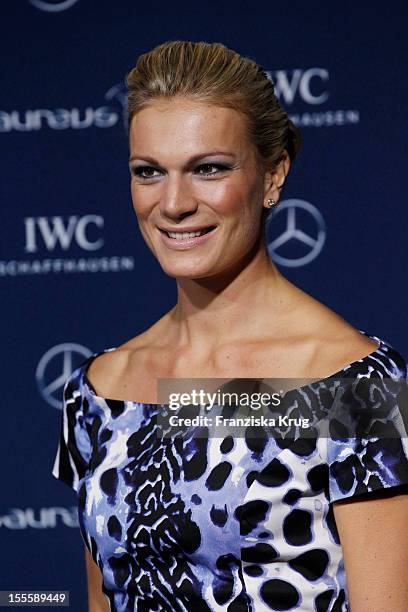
[[188, 272]]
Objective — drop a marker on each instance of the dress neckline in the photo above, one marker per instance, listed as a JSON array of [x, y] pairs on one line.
[[90, 389]]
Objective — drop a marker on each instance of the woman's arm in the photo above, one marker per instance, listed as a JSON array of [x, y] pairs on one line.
[[374, 537], [97, 600]]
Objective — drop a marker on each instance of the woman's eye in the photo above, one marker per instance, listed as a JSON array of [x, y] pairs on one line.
[[146, 172], [140, 171], [220, 167]]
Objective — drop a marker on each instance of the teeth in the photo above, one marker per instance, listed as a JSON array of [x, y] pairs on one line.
[[185, 235]]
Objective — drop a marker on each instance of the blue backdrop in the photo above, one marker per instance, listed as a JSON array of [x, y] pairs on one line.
[[75, 274]]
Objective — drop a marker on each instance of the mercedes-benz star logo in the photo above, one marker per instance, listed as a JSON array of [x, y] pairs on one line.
[[55, 366], [53, 7], [303, 236]]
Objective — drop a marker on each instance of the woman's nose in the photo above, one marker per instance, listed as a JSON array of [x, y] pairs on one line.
[[177, 198]]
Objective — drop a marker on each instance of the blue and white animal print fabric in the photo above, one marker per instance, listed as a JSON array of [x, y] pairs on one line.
[[199, 523]]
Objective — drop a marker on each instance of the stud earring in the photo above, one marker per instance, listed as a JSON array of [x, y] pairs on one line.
[[271, 202]]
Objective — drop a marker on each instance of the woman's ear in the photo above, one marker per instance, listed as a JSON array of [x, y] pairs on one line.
[[275, 180]]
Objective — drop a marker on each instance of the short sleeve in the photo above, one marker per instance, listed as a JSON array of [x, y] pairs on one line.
[[367, 443], [74, 448]]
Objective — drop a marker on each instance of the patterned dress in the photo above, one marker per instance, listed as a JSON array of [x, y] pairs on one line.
[[195, 522]]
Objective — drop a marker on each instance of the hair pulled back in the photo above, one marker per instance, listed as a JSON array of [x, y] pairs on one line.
[[214, 74]]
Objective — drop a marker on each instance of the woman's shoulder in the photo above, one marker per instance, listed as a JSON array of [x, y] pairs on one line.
[[103, 370], [341, 346], [385, 360], [100, 370], [77, 383]]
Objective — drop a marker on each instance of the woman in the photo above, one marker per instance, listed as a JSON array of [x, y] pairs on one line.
[[227, 524]]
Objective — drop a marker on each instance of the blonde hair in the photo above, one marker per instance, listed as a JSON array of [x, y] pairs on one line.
[[213, 74]]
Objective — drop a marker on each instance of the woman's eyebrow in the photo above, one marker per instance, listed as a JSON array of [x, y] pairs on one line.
[[192, 159]]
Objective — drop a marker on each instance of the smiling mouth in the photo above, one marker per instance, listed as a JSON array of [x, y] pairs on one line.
[[185, 235]]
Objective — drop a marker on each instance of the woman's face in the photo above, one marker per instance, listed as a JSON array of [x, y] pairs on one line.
[[192, 168]]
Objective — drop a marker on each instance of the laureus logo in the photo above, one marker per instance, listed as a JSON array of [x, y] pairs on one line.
[[118, 93]]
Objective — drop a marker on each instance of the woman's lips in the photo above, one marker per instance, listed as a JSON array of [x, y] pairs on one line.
[[186, 243]]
